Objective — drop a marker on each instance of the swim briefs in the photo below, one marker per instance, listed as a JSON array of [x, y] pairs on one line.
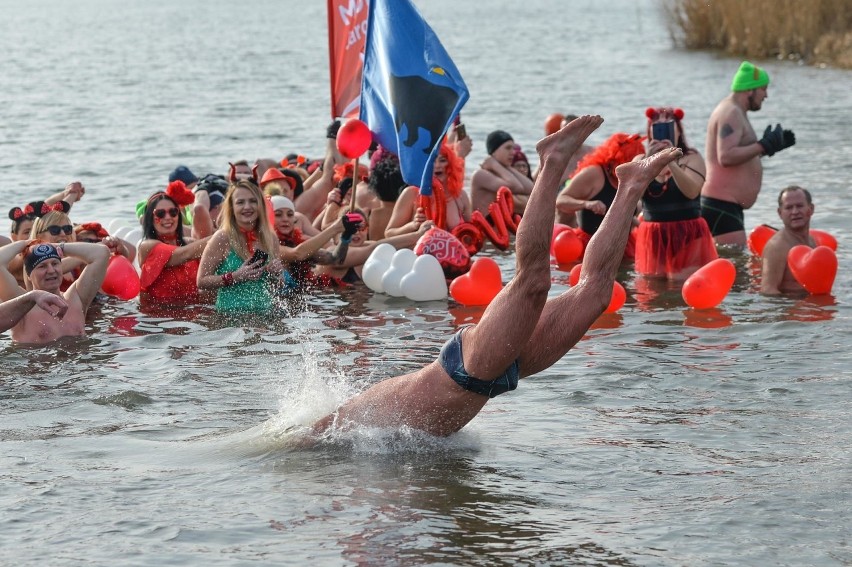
[[722, 216], [453, 363]]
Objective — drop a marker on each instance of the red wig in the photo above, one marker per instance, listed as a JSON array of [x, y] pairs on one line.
[[617, 149], [454, 171]]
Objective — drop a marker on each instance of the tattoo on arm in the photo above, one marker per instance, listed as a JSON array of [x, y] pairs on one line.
[[726, 130]]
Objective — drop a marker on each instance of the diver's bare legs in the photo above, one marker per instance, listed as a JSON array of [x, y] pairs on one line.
[[566, 318], [498, 339]]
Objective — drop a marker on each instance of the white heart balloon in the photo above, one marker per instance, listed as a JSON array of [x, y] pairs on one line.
[[376, 265], [120, 232], [401, 264], [425, 281], [114, 225], [133, 237]]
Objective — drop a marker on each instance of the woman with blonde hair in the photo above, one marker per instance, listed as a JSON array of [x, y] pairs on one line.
[[241, 258]]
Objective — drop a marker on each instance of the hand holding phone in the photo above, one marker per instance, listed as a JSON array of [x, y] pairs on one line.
[[259, 255], [663, 131], [461, 131]]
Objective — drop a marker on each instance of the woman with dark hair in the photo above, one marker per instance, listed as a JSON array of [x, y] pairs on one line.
[[593, 185], [23, 220], [169, 260], [673, 240]]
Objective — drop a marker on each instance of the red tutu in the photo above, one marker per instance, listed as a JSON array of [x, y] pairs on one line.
[[673, 249], [629, 249]]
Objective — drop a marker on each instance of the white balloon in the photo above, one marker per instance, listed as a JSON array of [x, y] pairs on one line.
[[114, 225], [401, 264], [133, 237], [425, 281], [121, 232], [376, 265]]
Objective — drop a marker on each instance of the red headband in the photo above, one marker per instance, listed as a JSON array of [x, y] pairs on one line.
[[95, 227], [654, 113], [178, 193]]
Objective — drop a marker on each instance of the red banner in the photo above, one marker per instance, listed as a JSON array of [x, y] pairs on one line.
[[347, 33]]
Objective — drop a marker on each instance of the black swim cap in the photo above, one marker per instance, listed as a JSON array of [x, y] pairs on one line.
[[39, 254]]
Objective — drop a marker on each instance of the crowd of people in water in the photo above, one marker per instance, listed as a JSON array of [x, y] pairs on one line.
[[239, 238]]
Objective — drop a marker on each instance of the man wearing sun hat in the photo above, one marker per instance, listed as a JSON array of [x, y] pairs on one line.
[[733, 152]]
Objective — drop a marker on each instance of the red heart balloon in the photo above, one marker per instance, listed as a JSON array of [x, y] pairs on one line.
[[480, 285], [353, 139], [553, 123], [758, 238], [814, 268], [567, 247], [121, 279], [708, 286], [450, 252], [822, 238], [558, 228], [616, 300]]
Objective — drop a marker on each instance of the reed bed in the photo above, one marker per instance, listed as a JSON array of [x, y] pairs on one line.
[[815, 31]]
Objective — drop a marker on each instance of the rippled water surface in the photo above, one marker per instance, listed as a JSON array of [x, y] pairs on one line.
[[666, 437]]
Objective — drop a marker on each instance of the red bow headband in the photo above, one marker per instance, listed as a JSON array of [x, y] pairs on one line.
[[38, 209], [94, 227], [178, 193]]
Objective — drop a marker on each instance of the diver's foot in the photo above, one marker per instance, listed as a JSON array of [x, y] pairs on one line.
[[635, 176], [562, 144]]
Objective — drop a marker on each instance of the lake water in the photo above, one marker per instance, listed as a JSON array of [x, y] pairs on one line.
[[666, 437]]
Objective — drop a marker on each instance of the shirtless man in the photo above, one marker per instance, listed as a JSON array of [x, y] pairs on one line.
[[497, 171], [733, 152], [42, 267], [12, 311], [521, 332], [795, 208]]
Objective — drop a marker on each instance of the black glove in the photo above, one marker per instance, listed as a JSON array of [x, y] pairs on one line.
[[331, 131], [776, 140], [351, 224]]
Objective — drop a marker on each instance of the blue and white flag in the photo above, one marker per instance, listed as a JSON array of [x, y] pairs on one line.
[[411, 89]]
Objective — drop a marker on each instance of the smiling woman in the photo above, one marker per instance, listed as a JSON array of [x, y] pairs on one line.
[[230, 263]]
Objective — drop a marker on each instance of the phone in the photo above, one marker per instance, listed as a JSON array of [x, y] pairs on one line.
[[663, 131], [259, 255], [461, 131]]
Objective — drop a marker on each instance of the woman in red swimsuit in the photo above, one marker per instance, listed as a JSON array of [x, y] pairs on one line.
[[169, 260]]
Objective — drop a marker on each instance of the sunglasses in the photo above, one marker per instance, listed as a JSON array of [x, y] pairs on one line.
[[161, 213], [56, 230]]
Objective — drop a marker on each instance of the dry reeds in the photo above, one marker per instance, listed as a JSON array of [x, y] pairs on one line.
[[817, 31]]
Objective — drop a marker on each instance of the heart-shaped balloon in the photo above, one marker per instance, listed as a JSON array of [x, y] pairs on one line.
[[403, 261], [114, 225], [134, 236], [758, 238], [121, 232], [425, 281], [709, 285], [822, 238], [814, 268], [480, 285], [558, 228], [376, 265], [567, 247], [447, 249], [121, 279], [616, 299]]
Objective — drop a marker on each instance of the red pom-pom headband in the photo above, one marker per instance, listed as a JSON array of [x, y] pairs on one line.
[[655, 113], [94, 227]]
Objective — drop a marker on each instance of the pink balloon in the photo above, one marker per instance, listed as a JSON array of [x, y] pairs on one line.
[[121, 279], [353, 139]]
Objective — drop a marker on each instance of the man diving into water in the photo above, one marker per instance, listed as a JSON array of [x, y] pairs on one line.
[[521, 332]]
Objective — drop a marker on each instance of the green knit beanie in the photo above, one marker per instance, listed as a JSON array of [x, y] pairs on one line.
[[749, 77]]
